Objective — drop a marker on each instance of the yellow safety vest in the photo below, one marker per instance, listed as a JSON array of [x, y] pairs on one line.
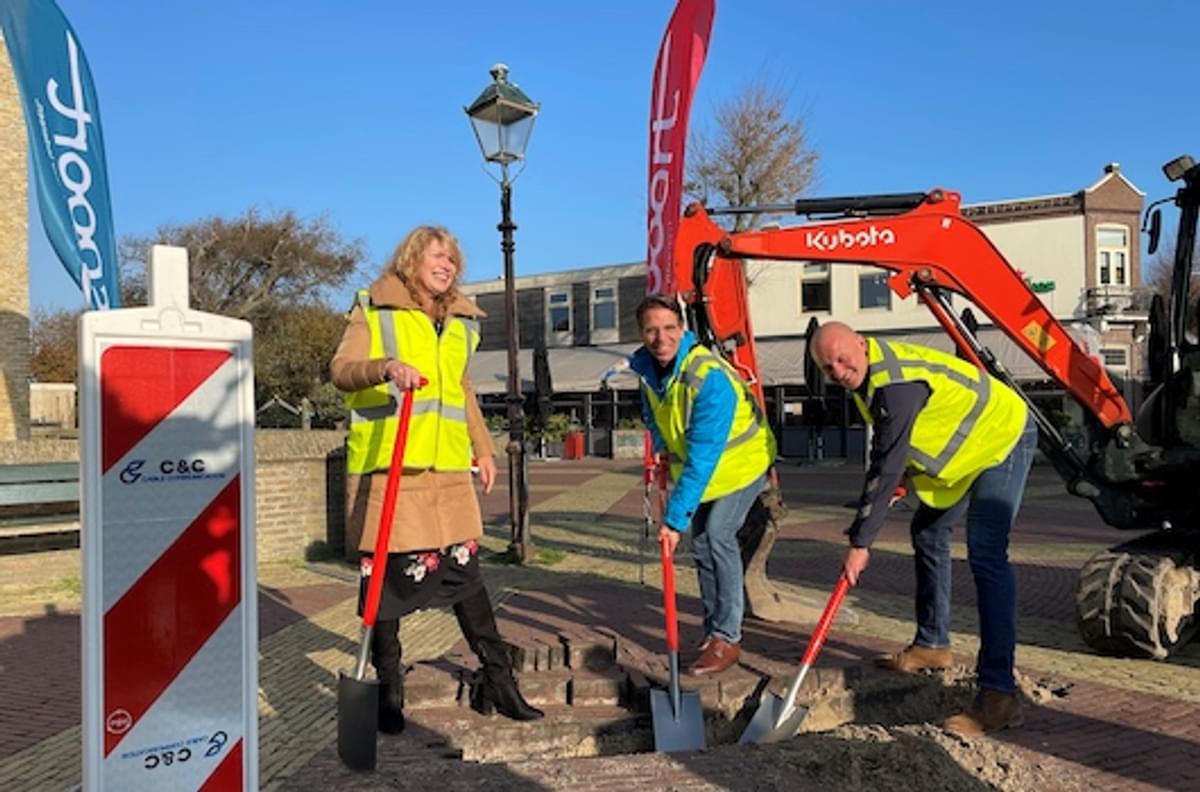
[[437, 431], [971, 421], [750, 446]]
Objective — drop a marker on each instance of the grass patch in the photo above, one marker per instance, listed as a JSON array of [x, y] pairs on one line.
[[542, 556], [71, 585]]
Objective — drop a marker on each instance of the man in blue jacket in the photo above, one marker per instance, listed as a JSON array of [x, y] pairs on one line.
[[719, 446]]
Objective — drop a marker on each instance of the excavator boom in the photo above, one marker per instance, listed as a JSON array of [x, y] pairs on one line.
[[930, 247]]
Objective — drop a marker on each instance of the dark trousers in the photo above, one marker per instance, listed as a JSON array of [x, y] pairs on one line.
[[991, 508]]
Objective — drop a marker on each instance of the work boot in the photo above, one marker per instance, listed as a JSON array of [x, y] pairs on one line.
[[992, 711], [914, 658], [718, 656], [385, 656]]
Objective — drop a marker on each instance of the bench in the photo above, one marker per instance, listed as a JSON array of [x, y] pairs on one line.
[[39, 506]]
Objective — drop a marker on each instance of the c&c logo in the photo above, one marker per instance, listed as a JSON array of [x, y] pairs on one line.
[[132, 471]]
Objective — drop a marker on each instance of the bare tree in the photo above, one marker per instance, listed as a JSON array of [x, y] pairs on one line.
[[253, 264], [54, 336], [1158, 273], [1158, 270], [756, 154]]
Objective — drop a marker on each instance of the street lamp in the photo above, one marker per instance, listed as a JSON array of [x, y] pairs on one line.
[[502, 118]]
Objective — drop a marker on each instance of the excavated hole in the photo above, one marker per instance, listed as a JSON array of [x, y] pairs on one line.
[[878, 728]]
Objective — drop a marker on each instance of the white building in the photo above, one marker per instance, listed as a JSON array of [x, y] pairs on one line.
[[1078, 251]]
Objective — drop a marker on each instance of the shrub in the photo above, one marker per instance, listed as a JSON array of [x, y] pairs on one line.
[[557, 426]]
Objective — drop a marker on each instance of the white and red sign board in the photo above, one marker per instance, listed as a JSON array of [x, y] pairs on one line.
[[170, 624]]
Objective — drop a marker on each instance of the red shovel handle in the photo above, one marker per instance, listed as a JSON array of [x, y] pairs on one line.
[[647, 459], [818, 637], [669, 597], [383, 537]]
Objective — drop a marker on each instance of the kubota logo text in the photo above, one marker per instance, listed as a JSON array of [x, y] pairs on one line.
[[843, 239]]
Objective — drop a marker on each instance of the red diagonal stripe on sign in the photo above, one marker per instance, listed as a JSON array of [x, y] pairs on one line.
[[141, 385], [228, 775], [156, 627]]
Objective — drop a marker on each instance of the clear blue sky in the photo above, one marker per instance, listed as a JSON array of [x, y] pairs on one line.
[[354, 109]]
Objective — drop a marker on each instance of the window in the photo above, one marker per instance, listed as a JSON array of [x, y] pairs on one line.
[[558, 317], [1112, 255], [604, 313], [873, 291], [814, 288]]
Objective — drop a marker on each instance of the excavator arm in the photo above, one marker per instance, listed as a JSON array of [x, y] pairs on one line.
[[931, 249]]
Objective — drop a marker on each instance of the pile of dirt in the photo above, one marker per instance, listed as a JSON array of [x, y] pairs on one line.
[[857, 757]]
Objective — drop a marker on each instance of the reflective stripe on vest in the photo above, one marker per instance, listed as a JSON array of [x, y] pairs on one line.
[[750, 445], [969, 423], [438, 436]]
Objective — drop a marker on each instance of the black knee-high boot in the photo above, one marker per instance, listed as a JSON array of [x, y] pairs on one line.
[[385, 656], [497, 689]]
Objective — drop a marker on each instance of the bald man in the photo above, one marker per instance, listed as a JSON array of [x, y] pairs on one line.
[[966, 441]]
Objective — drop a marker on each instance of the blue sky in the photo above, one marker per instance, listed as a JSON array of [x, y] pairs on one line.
[[354, 109]]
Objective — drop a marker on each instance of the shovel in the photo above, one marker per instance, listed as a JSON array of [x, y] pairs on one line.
[[358, 698], [647, 513], [779, 718], [677, 715]]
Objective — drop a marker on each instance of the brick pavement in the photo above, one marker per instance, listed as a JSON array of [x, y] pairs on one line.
[[1124, 724], [43, 653]]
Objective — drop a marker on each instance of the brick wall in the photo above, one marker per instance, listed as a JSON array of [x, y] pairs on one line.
[[14, 265], [299, 483]]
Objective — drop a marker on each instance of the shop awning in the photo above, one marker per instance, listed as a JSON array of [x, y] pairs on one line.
[[781, 362]]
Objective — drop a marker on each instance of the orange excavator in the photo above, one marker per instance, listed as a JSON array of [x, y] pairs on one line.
[[1138, 598]]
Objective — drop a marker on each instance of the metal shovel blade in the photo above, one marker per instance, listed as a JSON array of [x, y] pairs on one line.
[[358, 721], [677, 731], [762, 728]]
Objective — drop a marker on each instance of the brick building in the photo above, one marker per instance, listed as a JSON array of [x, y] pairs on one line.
[[14, 260]]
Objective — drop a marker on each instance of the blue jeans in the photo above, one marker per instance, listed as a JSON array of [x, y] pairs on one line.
[[991, 507], [719, 559]]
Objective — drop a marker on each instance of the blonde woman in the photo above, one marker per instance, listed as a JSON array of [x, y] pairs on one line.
[[414, 324]]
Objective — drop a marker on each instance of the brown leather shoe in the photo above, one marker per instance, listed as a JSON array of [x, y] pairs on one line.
[[704, 644], [992, 711], [914, 658], [718, 655]]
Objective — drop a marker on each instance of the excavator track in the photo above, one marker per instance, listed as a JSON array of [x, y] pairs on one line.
[[1139, 599]]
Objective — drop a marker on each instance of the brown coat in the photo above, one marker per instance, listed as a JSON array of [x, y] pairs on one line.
[[434, 509]]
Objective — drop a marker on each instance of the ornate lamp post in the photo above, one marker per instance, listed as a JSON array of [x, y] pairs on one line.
[[502, 118]]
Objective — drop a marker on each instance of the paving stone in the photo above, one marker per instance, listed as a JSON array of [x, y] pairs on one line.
[[546, 687], [434, 684], [588, 649], [592, 688], [637, 690]]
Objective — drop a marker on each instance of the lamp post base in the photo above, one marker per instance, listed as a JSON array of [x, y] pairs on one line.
[[520, 547]]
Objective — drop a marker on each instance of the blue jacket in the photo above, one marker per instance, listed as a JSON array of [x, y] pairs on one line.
[[712, 417]]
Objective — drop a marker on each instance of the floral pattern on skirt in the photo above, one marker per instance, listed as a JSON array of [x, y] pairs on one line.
[[423, 579]]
